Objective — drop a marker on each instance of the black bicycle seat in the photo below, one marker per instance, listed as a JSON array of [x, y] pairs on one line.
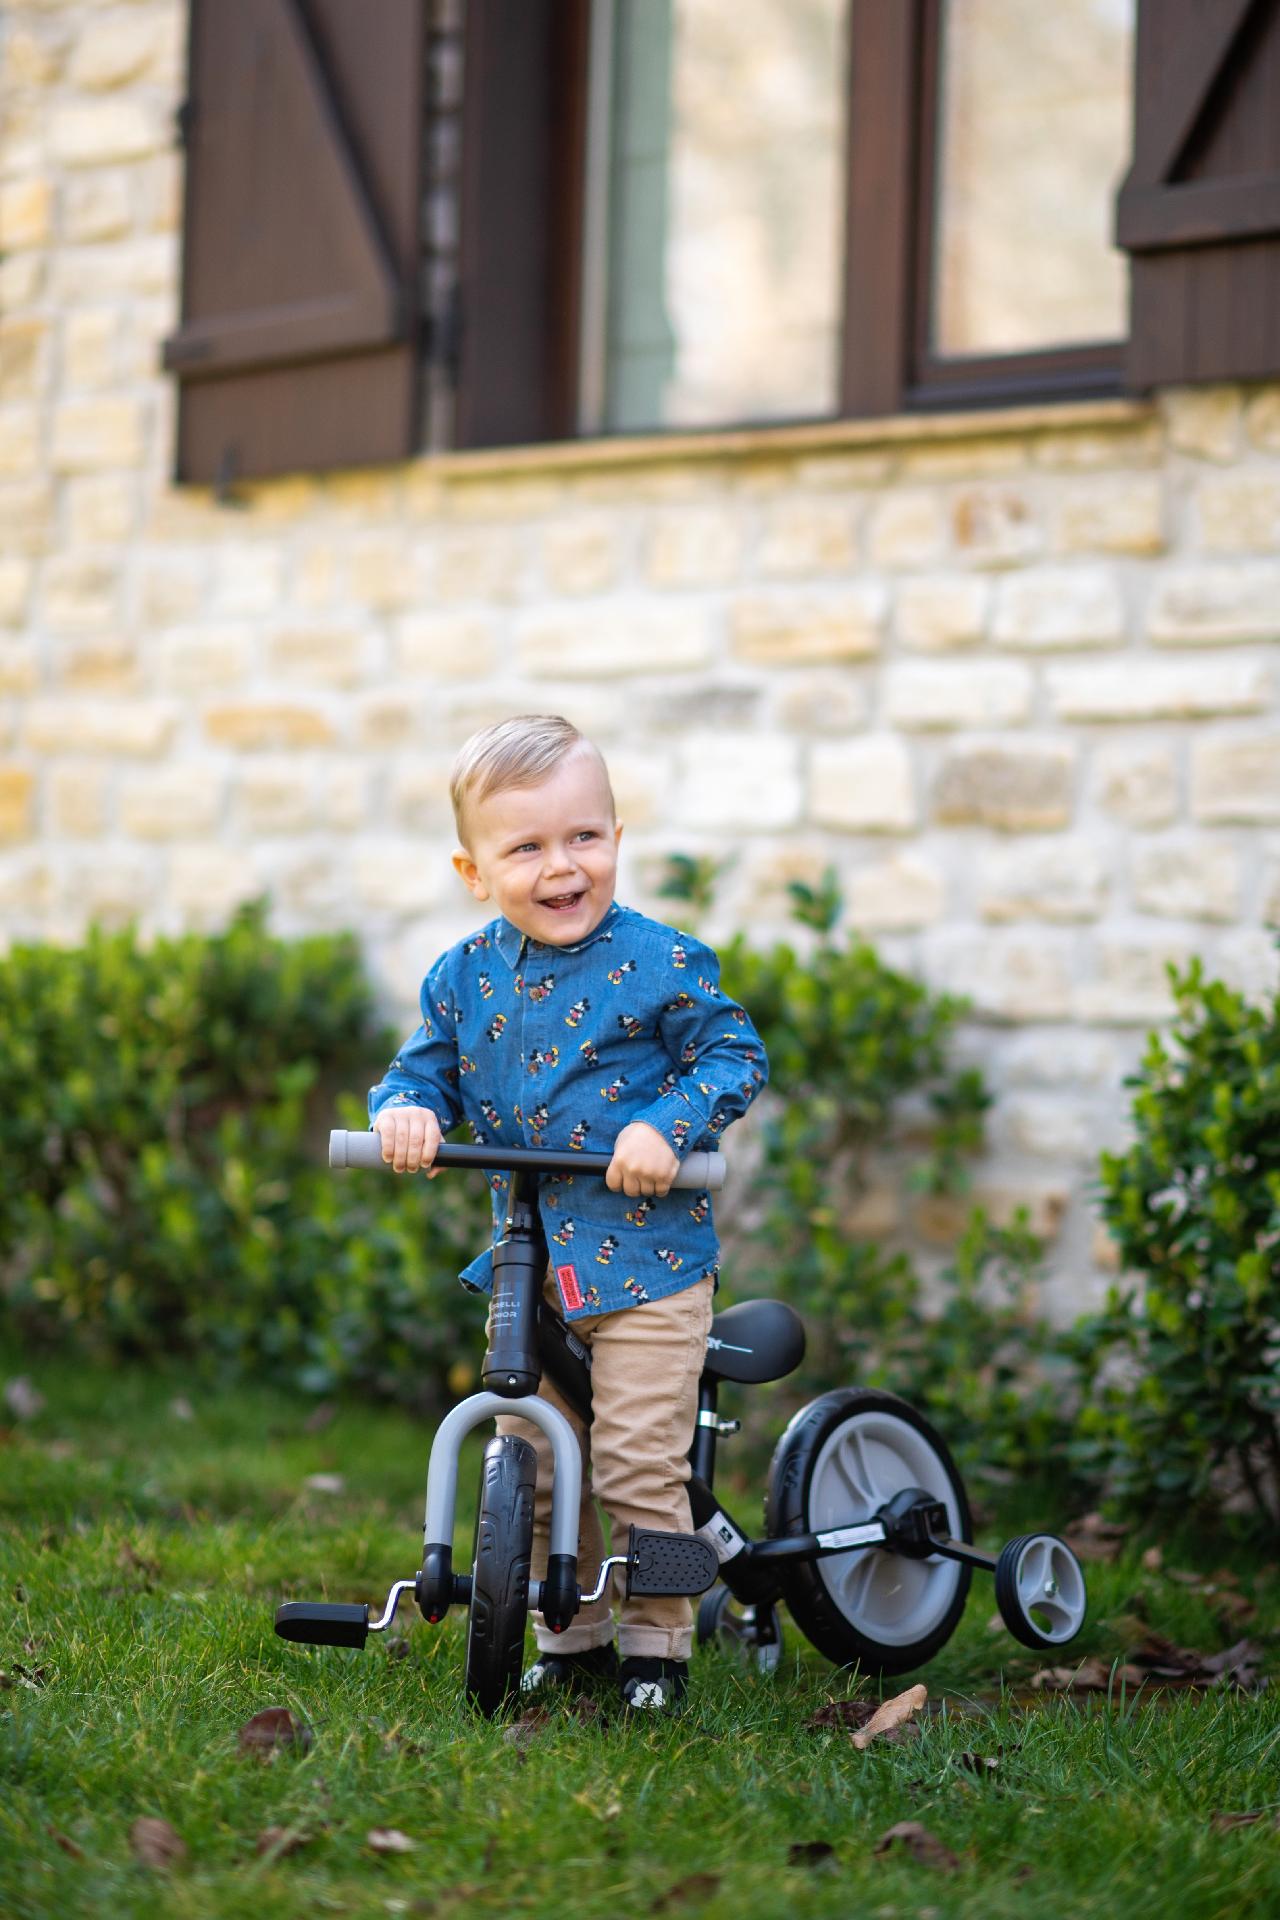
[[755, 1341]]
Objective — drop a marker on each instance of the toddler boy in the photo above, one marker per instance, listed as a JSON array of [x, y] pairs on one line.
[[570, 1021]]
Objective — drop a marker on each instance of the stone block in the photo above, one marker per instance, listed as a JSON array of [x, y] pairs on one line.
[[1236, 779], [396, 877], [445, 646], [172, 802], [81, 594], [97, 206], [907, 529], [1136, 783], [749, 783], [1025, 787], [28, 886], [1048, 1127], [207, 884], [803, 537], [636, 640], [418, 800], [30, 56], [1187, 879], [1130, 443], [1059, 1059], [822, 703], [90, 344], [581, 555], [872, 1214], [994, 526], [1262, 420], [19, 441], [1061, 880], [1248, 959], [1111, 516], [1239, 512], [107, 664], [896, 895], [505, 497], [114, 49], [160, 188], [957, 693], [19, 666], [1130, 983], [101, 510], [1202, 421], [26, 210], [93, 133], [113, 887], [324, 656], [79, 800], [26, 510], [22, 278], [963, 459], [940, 1218], [90, 435], [1005, 976], [796, 631], [134, 729], [277, 795], [24, 358], [863, 785], [389, 720], [641, 782], [15, 591], [1147, 689], [17, 803], [260, 726], [941, 614], [382, 572], [121, 270], [1059, 607], [768, 875], [172, 587], [699, 547], [478, 563], [249, 578], [1216, 606], [710, 705], [344, 796]]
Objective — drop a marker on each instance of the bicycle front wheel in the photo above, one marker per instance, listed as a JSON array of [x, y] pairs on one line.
[[500, 1574]]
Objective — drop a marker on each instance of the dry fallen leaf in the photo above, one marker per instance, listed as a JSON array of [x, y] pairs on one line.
[[271, 1731], [810, 1853], [276, 1842], [890, 1714], [181, 1408], [156, 1844], [524, 1731], [317, 1421], [983, 1763], [696, 1886], [325, 1482], [67, 1844], [919, 1843], [129, 1556], [840, 1713], [1224, 1822], [390, 1840], [1153, 1559], [1093, 1538]]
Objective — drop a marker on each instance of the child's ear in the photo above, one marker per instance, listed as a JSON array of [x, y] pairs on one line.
[[617, 832], [469, 874]]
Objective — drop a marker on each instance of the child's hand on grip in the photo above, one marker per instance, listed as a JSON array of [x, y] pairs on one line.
[[642, 1162], [410, 1137]]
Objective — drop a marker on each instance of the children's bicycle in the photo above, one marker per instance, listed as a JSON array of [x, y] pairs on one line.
[[868, 1538]]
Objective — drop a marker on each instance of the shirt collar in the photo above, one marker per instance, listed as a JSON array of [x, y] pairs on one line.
[[512, 944]]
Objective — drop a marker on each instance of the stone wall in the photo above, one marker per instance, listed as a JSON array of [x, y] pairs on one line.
[[1013, 674]]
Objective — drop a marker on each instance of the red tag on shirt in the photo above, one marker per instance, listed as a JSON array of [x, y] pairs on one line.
[[570, 1291]]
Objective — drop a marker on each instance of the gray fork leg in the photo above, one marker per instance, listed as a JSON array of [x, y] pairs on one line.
[[442, 1473]]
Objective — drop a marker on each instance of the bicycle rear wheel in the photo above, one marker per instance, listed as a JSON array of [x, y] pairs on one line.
[[500, 1574]]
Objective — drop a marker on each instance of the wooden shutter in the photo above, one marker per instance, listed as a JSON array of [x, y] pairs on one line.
[[1200, 209], [524, 117], [298, 346]]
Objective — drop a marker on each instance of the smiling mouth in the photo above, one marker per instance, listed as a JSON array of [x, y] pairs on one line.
[[561, 902]]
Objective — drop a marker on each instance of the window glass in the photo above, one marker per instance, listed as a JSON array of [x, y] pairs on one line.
[[1034, 135], [725, 159]]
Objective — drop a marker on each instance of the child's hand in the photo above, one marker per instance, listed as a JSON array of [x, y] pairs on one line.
[[642, 1162], [410, 1136]]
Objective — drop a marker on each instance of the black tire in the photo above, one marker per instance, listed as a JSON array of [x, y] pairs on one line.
[[500, 1574], [851, 1606], [1063, 1615], [751, 1634]]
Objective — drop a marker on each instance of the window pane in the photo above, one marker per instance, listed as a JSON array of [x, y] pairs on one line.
[[1035, 131], [726, 209]]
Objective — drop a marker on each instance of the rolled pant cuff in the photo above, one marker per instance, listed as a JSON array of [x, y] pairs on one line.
[[579, 1638], [655, 1643]]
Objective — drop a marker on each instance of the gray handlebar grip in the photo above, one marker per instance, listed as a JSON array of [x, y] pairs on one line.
[[351, 1148]]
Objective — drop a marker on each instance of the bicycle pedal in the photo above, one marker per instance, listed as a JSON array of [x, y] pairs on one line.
[[669, 1563], [323, 1623]]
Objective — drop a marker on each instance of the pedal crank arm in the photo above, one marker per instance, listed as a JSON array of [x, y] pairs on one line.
[[962, 1551]]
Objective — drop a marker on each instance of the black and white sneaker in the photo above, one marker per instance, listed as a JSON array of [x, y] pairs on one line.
[[652, 1685], [570, 1671]]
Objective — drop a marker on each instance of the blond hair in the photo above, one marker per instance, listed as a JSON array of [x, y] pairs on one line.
[[520, 752]]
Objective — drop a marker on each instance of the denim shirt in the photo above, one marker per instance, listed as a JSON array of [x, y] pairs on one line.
[[547, 1046]]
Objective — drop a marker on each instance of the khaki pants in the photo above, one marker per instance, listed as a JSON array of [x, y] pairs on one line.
[[645, 1364]]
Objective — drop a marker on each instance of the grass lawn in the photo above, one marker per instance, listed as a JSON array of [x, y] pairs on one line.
[[142, 1554]]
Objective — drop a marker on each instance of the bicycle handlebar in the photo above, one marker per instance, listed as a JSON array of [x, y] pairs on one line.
[[350, 1148]]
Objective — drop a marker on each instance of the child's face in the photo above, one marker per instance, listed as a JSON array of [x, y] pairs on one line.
[[547, 856]]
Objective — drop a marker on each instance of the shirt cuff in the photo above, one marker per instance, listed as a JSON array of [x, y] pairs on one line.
[[674, 1119]]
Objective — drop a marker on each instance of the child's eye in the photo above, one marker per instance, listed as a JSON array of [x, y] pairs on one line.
[[527, 846], [588, 833]]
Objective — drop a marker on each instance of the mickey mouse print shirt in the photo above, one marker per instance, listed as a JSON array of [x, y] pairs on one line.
[[546, 1046]]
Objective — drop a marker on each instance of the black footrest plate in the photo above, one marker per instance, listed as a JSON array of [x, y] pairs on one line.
[[669, 1563], [323, 1623]]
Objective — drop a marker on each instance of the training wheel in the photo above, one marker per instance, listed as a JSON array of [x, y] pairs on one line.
[[1040, 1590], [752, 1635]]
